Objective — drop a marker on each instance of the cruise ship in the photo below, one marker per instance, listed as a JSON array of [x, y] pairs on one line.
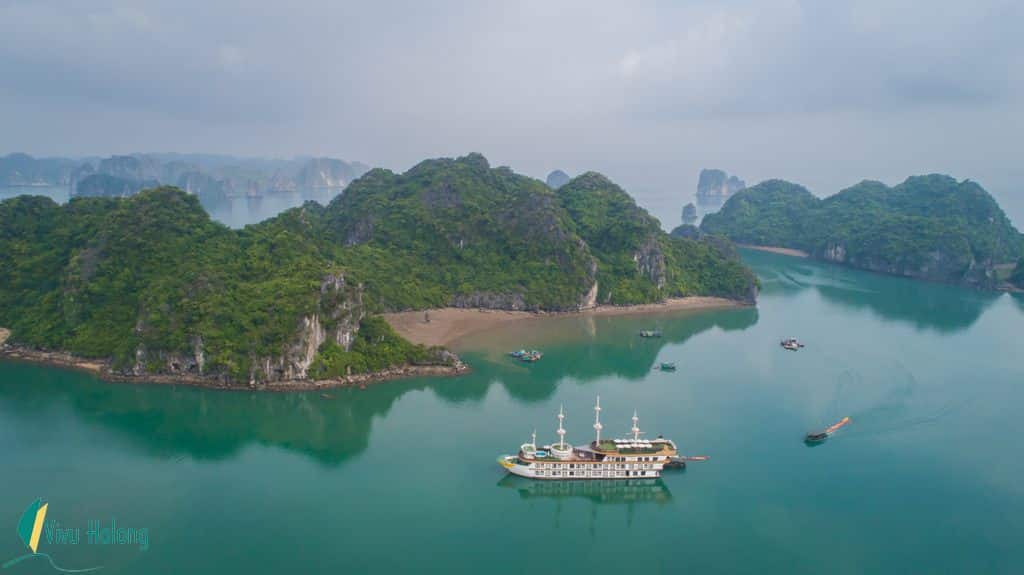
[[628, 458]]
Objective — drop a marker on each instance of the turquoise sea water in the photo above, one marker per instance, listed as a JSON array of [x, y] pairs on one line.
[[401, 477]]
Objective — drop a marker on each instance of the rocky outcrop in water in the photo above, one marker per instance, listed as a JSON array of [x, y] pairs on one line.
[[24, 170], [210, 191], [714, 187]]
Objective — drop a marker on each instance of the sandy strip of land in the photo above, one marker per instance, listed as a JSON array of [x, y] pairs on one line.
[[4, 334], [775, 250], [448, 325]]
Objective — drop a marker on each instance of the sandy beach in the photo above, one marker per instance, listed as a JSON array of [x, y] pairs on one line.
[[4, 334], [448, 325], [775, 250]]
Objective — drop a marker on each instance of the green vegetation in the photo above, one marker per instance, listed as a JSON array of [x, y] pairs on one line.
[[931, 227], [637, 261], [456, 230], [154, 284], [103, 277], [375, 348]]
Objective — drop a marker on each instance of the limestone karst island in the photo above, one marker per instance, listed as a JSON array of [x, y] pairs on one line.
[[469, 288]]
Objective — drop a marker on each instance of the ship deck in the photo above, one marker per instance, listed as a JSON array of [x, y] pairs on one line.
[[607, 448]]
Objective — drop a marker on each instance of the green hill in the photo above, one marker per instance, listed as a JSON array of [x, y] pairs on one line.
[[152, 283], [457, 232], [636, 260], [929, 227]]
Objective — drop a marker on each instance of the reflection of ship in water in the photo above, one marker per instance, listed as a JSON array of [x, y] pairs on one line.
[[600, 491]]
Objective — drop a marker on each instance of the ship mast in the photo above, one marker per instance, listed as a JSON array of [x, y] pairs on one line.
[[597, 420], [561, 430], [636, 429]]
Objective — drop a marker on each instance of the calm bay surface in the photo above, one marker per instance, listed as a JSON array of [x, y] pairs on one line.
[[401, 476]]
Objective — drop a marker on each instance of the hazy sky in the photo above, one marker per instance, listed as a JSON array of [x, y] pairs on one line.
[[824, 93]]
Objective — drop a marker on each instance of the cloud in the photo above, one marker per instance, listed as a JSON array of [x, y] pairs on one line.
[[694, 53], [649, 91], [229, 55]]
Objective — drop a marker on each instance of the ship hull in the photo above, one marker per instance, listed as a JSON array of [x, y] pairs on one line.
[[560, 471]]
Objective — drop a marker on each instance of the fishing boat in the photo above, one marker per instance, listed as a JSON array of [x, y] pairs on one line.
[[650, 333], [626, 458], [667, 366], [819, 436], [791, 344], [527, 356]]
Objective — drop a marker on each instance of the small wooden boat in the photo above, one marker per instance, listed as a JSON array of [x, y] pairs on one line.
[[791, 344], [667, 366], [527, 356], [819, 436], [650, 333]]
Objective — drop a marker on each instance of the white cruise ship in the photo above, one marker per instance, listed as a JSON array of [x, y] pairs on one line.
[[628, 458]]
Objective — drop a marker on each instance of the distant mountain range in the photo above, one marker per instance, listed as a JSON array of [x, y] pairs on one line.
[[212, 178]]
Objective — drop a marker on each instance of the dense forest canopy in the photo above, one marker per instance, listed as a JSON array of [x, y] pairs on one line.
[[931, 227], [153, 283]]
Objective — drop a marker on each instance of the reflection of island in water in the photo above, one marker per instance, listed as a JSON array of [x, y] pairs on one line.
[[172, 421], [1018, 298], [600, 491], [589, 347], [925, 305]]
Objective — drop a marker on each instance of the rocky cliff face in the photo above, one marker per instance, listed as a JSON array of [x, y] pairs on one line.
[[327, 173], [131, 167], [714, 187], [936, 265], [336, 318], [650, 262]]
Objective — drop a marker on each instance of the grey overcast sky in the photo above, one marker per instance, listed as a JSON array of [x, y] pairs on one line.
[[824, 93]]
